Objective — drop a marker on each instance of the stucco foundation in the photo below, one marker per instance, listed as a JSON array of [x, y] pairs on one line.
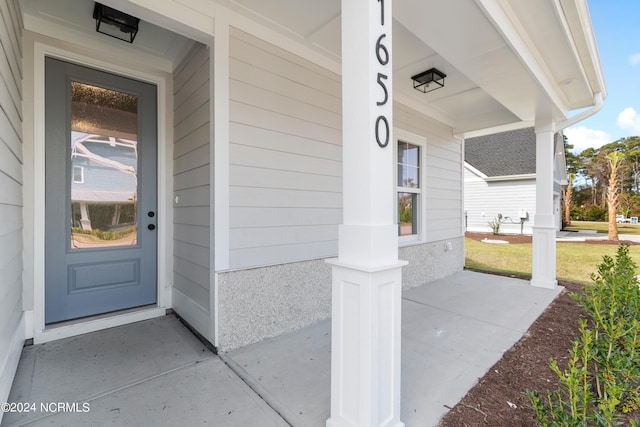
[[431, 261], [259, 303], [263, 302]]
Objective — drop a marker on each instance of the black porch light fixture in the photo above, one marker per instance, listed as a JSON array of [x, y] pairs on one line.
[[429, 80], [114, 23]]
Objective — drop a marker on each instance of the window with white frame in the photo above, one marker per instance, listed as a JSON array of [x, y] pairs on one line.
[[78, 174], [409, 188]]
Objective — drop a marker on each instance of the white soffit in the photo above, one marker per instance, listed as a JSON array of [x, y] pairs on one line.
[[460, 32], [548, 32], [484, 56], [73, 19], [318, 23]]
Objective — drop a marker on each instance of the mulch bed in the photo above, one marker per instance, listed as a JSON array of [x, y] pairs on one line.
[[499, 398], [524, 238]]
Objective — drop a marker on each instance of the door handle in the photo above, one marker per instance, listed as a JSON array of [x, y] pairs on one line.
[[151, 227]]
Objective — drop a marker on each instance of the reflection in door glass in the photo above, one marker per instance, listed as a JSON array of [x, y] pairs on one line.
[[103, 167]]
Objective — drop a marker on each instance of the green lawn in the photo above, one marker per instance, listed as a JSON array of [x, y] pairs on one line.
[[574, 261], [603, 227]]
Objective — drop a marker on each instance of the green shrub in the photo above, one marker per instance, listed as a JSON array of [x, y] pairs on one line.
[[602, 379], [495, 224], [595, 213], [104, 235]]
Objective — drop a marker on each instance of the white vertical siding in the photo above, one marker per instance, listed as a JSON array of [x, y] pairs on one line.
[[443, 184], [192, 178], [285, 156], [484, 200], [11, 194]]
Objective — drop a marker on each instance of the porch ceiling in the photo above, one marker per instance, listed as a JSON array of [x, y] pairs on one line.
[[504, 59], [501, 57], [73, 20]]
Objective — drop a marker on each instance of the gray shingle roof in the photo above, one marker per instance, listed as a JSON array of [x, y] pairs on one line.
[[502, 154]]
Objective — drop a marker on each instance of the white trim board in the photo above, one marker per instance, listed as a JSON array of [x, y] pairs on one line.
[[9, 365], [97, 323]]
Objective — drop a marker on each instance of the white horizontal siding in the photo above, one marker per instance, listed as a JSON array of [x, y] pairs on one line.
[[290, 198], [286, 159], [193, 234], [443, 184], [191, 163], [191, 178], [483, 201], [285, 156], [11, 193], [193, 140], [290, 235]]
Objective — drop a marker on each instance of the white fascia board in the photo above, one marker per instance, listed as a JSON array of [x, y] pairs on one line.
[[499, 178], [475, 171], [496, 129], [511, 177], [506, 23]]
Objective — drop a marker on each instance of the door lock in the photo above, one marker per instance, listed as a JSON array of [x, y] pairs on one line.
[[151, 227]]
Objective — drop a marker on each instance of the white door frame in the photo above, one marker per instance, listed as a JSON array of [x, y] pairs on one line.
[[35, 326]]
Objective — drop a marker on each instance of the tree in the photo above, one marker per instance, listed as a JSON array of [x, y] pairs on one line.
[[632, 154], [568, 198], [593, 167], [571, 162], [613, 193]]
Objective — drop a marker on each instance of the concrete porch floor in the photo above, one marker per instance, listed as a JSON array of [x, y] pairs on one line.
[[156, 373]]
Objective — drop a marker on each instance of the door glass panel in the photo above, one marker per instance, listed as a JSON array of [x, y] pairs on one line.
[[103, 167]]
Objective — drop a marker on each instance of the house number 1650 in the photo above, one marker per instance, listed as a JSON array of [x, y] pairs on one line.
[[382, 54]]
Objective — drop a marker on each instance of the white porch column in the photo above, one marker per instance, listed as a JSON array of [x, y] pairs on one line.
[[544, 228], [366, 296], [85, 221]]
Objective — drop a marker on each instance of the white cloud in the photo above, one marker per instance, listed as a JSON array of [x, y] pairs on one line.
[[634, 59], [629, 119], [581, 137]]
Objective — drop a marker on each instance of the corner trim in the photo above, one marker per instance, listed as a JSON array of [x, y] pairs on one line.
[[193, 313], [10, 363]]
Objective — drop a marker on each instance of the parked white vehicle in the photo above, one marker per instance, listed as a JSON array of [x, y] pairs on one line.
[[621, 219]]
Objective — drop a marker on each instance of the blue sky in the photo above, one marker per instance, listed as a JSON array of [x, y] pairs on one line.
[[618, 36]]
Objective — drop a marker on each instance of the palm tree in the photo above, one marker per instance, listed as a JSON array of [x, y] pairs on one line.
[[568, 196], [613, 193]]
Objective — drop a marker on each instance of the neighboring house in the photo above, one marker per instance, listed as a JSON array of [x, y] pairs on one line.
[[103, 178], [268, 141], [500, 181]]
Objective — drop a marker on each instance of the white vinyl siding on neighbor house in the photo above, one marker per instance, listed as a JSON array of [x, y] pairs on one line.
[[483, 201], [11, 162], [285, 156], [192, 180]]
